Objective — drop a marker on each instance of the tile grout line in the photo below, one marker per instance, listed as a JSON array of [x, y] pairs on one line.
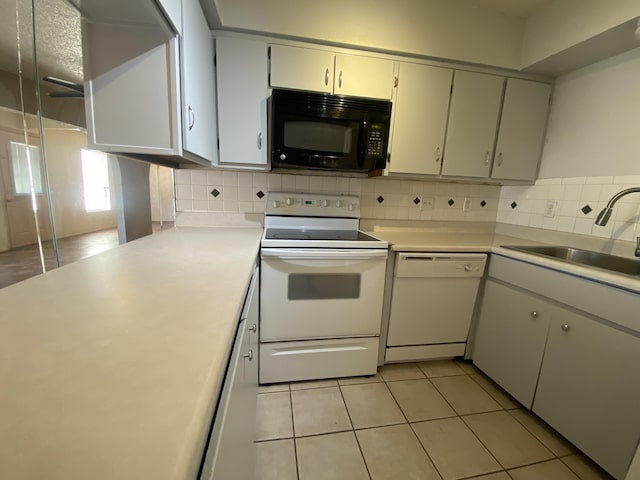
[[293, 431], [465, 423], [409, 423], [366, 466]]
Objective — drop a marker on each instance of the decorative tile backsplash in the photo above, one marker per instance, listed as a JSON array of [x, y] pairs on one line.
[[572, 204], [381, 197]]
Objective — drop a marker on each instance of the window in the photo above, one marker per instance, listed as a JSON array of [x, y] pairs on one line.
[[95, 179], [20, 154]]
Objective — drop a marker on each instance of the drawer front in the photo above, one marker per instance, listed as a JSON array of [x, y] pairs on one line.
[[293, 361]]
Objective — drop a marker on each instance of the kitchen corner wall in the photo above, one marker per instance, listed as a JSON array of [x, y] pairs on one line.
[[575, 202], [381, 197]]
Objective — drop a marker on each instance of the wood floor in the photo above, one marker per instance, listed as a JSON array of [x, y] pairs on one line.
[[24, 262]]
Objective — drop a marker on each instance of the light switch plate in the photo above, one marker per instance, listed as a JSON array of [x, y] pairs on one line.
[[550, 209], [426, 203]]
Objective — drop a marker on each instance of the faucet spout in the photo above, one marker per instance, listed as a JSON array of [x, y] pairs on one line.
[[605, 214]]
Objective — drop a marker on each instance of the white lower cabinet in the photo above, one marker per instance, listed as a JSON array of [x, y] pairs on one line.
[[510, 339], [579, 372], [231, 452], [589, 388]]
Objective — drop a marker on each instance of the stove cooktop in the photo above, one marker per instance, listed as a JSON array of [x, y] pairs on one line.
[[303, 234]]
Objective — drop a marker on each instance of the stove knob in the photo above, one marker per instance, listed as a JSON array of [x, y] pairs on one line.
[[275, 204], [289, 201], [325, 203], [339, 203], [283, 156], [351, 207]]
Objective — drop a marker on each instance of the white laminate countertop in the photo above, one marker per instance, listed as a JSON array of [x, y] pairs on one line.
[[455, 241], [110, 367]]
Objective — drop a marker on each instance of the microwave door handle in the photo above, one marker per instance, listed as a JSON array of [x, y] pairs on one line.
[[362, 142]]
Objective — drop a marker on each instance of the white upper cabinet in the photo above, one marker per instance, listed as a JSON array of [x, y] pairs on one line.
[[301, 68], [420, 119], [473, 120], [131, 89], [363, 76], [172, 10], [242, 69], [198, 84], [326, 72], [150, 92], [522, 129]]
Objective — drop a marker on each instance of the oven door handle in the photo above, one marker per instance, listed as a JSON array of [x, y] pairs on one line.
[[323, 254]]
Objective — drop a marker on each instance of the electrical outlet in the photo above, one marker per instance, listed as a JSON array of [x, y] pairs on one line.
[[466, 205], [426, 203], [550, 209]]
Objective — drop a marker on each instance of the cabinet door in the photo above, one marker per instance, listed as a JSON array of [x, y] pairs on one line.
[[363, 77], [198, 84], [473, 122], [253, 325], [522, 129], [242, 100], [420, 113], [589, 390], [231, 450], [510, 338], [301, 68]]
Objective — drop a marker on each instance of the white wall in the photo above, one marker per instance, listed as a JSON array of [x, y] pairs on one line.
[[593, 126], [564, 23], [65, 176], [162, 196], [453, 29]]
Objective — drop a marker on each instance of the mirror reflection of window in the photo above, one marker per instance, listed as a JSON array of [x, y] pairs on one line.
[[25, 168], [95, 179]]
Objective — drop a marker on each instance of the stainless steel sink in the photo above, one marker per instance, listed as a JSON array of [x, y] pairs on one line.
[[588, 258]]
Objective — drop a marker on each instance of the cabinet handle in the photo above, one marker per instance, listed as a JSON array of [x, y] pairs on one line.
[[340, 80], [260, 141], [253, 328], [437, 154], [192, 118], [565, 327], [486, 159], [534, 314], [326, 77], [500, 159], [249, 355]]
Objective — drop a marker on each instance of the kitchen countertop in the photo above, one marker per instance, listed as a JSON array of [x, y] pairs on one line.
[[110, 367], [413, 240]]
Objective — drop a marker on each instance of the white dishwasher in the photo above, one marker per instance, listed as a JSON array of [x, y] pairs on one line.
[[432, 304]]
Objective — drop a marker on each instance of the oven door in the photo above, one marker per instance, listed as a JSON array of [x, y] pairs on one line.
[[321, 293]]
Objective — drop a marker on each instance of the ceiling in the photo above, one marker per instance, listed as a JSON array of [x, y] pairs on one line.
[[59, 39], [515, 8]]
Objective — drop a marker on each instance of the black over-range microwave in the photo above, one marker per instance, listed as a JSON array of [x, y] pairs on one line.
[[328, 132]]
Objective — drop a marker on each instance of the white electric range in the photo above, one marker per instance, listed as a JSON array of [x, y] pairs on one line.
[[322, 285]]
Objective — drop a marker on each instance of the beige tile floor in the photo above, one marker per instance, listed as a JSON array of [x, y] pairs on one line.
[[440, 420]]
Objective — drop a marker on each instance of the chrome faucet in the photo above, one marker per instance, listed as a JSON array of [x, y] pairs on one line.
[[604, 216]]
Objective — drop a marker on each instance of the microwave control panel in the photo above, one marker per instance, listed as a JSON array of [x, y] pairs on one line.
[[375, 142]]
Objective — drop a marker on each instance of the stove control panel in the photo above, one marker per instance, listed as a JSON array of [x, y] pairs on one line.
[[313, 204]]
